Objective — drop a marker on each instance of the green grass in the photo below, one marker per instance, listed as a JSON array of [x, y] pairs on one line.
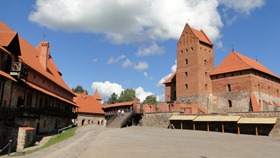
[[55, 139]]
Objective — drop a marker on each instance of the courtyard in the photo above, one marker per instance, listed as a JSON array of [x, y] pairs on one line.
[[149, 142]]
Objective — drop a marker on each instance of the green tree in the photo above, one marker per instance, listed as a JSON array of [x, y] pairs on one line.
[[127, 95], [151, 99], [113, 99], [79, 89]]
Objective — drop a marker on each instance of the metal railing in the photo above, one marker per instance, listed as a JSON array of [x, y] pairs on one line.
[[125, 121], [111, 119], [9, 146], [65, 128]]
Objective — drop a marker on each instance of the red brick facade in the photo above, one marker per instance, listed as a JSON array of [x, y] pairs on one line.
[[228, 88]]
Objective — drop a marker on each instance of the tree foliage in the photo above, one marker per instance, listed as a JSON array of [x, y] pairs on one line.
[[79, 89], [113, 99], [127, 95], [151, 99]]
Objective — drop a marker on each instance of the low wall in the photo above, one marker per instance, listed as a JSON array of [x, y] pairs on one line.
[[162, 120], [157, 119]]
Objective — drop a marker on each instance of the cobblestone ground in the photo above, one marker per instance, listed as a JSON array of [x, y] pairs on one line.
[[140, 142]]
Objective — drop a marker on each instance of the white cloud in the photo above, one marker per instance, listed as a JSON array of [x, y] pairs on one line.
[[115, 60], [125, 21], [105, 89], [153, 49], [142, 94], [94, 60], [173, 69], [142, 65], [245, 6], [127, 63], [161, 97], [146, 74]]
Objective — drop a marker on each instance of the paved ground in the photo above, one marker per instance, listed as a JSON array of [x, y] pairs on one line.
[[140, 142]]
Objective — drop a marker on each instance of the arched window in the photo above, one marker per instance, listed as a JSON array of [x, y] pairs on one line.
[[187, 86], [186, 73], [228, 87], [229, 103], [187, 61], [20, 101]]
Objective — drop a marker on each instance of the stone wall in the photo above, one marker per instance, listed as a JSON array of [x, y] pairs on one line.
[[25, 137], [8, 133], [157, 119], [86, 119]]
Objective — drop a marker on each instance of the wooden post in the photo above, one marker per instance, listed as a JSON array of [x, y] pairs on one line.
[[223, 128], [193, 126], [207, 126], [275, 131], [256, 128], [238, 129], [181, 124]]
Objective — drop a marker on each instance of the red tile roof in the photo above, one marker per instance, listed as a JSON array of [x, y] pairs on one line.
[[237, 62], [29, 56], [88, 104], [169, 80], [129, 103], [2, 73], [277, 104], [201, 36], [255, 104], [6, 37], [97, 96]]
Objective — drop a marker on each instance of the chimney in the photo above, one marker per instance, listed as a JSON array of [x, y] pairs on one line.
[[43, 53]]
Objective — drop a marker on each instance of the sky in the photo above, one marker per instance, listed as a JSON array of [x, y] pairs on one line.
[[112, 45]]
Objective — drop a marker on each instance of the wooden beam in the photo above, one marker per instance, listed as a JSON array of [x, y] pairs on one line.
[[194, 126], [238, 129], [256, 128], [207, 126], [181, 124], [223, 128], [274, 129]]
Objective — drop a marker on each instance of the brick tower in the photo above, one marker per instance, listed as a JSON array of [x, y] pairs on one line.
[[195, 61]]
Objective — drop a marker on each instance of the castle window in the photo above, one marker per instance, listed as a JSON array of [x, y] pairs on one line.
[[182, 52], [228, 87], [205, 62], [229, 103], [186, 73], [206, 86], [187, 62], [206, 74], [192, 48], [187, 50], [187, 87]]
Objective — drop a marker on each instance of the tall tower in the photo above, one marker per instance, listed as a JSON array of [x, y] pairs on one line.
[[195, 61]]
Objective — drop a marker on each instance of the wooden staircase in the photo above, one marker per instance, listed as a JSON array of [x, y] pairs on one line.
[[121, 121]]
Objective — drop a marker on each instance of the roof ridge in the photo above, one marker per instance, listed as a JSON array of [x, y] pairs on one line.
[[238, 55]]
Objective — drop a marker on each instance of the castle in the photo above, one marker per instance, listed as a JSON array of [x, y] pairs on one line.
[[238, 84]]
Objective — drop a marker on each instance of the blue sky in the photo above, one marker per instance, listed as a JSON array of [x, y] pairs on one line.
[[112, 45]]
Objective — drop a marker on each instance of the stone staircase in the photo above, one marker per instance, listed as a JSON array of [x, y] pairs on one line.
[[119, 120]]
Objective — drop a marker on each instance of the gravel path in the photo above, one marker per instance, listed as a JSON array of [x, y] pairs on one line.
[[148, 142]]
